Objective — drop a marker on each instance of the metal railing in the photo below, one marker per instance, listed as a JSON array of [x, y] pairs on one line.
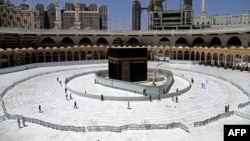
[[220, 116], [106, 128], [242, 105], [213, 119], [125, 98], [243, 115]]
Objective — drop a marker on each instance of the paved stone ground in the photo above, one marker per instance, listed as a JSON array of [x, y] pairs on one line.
[[195, 105]]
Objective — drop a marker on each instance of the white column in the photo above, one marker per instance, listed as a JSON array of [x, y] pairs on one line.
[[58, 22], [203, 8], [77, 21]]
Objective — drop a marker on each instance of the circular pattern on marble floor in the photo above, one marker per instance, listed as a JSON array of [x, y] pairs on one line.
[[197, 104]]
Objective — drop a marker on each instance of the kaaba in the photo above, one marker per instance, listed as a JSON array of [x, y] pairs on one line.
[[128, 64]]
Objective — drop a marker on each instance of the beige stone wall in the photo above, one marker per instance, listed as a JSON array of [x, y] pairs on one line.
[[77, 53], [17, 18]]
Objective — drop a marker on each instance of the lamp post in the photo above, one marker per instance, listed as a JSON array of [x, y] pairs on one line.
[[227, 19], [109, 24], [125, 24], [248, 16]]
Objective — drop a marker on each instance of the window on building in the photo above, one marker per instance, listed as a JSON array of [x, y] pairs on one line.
[[90, 20]]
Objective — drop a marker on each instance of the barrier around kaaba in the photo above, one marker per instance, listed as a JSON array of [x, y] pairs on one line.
[[128, 64], [102, 78]]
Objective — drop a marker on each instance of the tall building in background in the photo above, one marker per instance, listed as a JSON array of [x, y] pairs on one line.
[[161, 19], [58, 21], [89, 17], [136, 15], [1, 2], [40, 8], [50, 16], [18, 16], [103, 10]]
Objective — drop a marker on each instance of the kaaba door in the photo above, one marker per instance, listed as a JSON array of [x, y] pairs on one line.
[[125, 70]]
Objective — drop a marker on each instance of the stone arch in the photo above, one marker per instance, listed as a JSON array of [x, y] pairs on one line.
[[69, 56], [48, 42], [5, 61], [197, 56], [215, 59], [55, 57], [40, 57], [229, 62], [192, 56], [85, 41], [102, 55], [198, 42], [83, 55], [95, 55], [164, 42], [179, 55], [160, 55], [221, 59], [186, 55], [47, 57], [133, 42], [102, 41], [173, 56], [67, 42], [76, 56], [62, 56], [237, 61], [27, 58], [203, 57], [117, 42], [181, 42], [167, 54], [33, 58], [89, 55], [215, 42], [234, 41], [209, 58], [12, 62]]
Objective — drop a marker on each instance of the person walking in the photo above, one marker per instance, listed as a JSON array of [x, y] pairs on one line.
[[75, 105], [40, 109], [24, 122], [66, 96], [18, 122], [128, 105], [70, 96]]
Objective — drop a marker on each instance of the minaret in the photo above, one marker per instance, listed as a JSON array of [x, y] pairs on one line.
[[58, 22], [203, 8], [136, 15], [77, 23]]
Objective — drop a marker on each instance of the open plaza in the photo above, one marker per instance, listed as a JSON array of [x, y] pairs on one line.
[[68, 73], [198, 115]]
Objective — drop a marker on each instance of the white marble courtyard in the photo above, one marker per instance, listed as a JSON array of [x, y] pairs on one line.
[[195, 105]]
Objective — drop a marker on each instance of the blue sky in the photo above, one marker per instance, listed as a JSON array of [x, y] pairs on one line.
[[120, 11]]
